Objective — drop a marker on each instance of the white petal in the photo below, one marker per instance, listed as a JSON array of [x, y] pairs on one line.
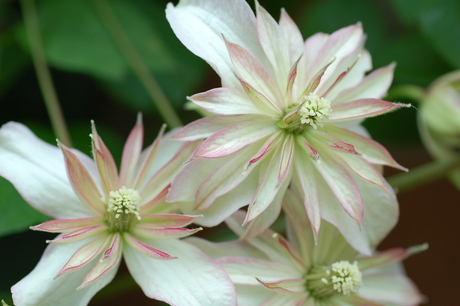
[[252, 295], [37, 170], [192, 279], [380, 216], [39, 288], [226, 248], [389, 285], [200, 25], [226, 204]]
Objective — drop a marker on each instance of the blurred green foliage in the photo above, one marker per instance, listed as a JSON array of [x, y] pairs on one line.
[[94, 80]]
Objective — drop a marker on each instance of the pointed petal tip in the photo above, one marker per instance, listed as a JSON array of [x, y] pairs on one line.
[[418, 248]]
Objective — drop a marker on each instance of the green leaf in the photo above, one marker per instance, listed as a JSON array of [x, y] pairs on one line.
[[16, 215], [75, 37], [440, 23]]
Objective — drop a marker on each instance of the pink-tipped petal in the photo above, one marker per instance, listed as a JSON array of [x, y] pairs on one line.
[[145, 249], [192, 279], [82, 183], [164, 233], [166, 220], [244, 270], [383, 258], [251, 71], [37, 171], [307, 181], [110, 260], [66, 225], [105, 164], [235, 137], [362, 108], [84, 255], [374, 85], [369, 149], [287, 285], [205, 127], [80, 234], [224, 179], [154, 185], [131, 153], [40, 288], [342, 185], [226, 101], [273, 43]]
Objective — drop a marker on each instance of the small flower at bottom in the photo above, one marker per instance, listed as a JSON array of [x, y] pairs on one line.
[[104, 215], [296, 271]]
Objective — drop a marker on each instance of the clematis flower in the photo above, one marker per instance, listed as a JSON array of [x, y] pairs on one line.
[[288, 111], [103, 216], [271, 270], [439, 120]]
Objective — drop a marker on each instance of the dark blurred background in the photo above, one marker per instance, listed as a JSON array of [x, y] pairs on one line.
[[94, 82]]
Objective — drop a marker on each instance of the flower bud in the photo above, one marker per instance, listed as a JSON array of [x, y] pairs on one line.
[[439, 122]]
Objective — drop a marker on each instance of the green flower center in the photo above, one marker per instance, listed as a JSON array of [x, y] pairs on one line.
[[122, 209], [312, 112], [341, 277]]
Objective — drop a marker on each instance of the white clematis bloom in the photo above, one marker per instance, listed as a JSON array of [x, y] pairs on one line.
[[271, 270], [104, 216], [289, 111]]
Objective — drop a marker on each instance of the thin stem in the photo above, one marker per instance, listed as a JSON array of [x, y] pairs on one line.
[[135, 61], [423, 174], [43, 73]]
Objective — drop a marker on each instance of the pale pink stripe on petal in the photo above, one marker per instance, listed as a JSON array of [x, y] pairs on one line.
[[342, 185], [82, 183], [131, 153], [105, 163], [250, 70], [205, 127], [306, 174], [235, 137], [369, 149], [374, 85], [224, 179], [244, 270], [163, 233], [85, 254], [225, 101], [110, 260], [287, 285], [80, 234], [145, 249], [166, 220], [362, 108], [66, 225], [274, 44], [382, 258]]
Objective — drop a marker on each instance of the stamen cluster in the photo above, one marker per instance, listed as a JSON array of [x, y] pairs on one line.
[[341, 277], [122, 208], [315, 111]]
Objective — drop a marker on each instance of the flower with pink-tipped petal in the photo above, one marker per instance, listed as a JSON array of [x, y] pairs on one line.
[[288, 111], [271, 270], [104, 215]]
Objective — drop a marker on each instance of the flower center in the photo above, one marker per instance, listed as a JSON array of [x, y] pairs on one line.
[[122, 209], [341, 277], [313, 111]]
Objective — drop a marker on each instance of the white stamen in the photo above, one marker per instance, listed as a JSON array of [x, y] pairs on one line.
[[346, 277], [315, 111], [124, 201]]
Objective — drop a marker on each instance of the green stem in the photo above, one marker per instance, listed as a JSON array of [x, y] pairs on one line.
[[412, 92], [423, 174], [137, 65], [43, 73]]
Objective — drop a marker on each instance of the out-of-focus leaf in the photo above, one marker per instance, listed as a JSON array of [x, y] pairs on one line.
[[16, 215], [440, 22], [408, 10], [75, 37], [179, 80], [413, 66]]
